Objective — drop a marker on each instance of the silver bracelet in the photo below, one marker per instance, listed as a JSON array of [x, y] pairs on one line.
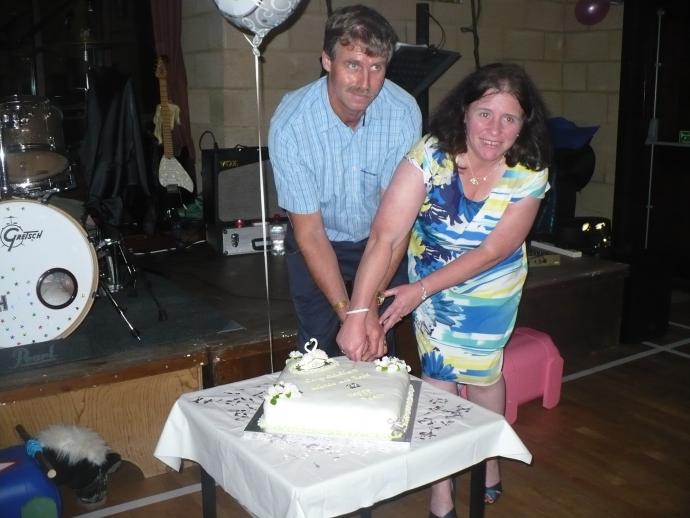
[[425, 295], [357, 310]]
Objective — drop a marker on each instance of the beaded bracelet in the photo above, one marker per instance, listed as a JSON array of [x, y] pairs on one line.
[[425, 295]]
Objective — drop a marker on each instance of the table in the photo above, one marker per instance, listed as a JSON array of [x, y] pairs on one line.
[[297, 477]]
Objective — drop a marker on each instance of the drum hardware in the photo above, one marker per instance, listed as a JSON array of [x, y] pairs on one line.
[[65, 182], [110, 252], [120, 309], [4, 180]]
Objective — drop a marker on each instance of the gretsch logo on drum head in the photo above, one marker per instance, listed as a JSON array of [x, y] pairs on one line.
[[12, 235]]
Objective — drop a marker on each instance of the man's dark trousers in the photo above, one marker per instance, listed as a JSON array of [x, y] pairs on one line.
[[315, 315]]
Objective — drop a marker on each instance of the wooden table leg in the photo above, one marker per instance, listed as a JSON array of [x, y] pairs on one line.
[[208, 494], [477, 483], [365, 512]]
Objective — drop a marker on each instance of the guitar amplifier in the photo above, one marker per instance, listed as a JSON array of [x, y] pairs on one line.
[[231, 184], [231, 192]]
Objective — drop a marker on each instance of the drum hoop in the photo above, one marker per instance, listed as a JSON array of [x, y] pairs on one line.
[[17, 99], [21, 148], [42, 102], [40, 188]]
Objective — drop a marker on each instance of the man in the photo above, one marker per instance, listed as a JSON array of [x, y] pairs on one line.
[[334, 145]]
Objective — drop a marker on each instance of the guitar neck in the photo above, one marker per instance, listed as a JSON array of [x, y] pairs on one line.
[[166, 132]]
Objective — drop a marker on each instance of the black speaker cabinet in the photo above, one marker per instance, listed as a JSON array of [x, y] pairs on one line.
[[647, 299], [231, 184]]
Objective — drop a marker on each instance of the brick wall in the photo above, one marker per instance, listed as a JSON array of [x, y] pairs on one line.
[[576, 67]]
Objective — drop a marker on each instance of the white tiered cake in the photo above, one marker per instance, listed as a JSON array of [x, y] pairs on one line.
[[317, 395]]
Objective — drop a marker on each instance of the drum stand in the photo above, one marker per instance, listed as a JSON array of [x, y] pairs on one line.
[[110, 281], [114, 251], [121, 310]]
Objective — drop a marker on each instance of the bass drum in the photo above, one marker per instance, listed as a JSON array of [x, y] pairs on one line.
[[49, 273], [34, 145]]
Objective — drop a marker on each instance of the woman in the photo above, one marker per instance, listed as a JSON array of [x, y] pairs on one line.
[[469, 190]]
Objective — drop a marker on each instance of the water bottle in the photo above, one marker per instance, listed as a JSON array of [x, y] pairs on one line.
[[277, 233]]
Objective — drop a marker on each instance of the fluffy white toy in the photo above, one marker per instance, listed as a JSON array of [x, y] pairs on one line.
[[74, 443]]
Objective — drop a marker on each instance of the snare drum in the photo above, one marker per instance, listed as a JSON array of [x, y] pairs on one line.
[[49, 273], [34, 146]]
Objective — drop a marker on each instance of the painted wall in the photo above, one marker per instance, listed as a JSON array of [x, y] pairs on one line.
[[576, 67]]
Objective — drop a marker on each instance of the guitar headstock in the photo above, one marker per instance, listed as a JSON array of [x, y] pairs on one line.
[[161, 69]]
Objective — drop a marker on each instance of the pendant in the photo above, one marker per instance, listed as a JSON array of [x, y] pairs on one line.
[[474, 181]]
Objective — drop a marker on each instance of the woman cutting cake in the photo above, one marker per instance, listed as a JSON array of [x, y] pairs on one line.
[[469, 192]]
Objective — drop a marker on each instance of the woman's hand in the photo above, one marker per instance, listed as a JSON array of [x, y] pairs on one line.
[[407, 297]]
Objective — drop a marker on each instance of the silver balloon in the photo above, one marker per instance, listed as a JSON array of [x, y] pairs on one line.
[[257, 16]]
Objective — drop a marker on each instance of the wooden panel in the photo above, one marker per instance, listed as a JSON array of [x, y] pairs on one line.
[[129, 415], [581, 316], [241, 362], [79, 375]]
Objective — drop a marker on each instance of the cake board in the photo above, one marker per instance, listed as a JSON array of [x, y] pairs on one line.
[[253, 430]]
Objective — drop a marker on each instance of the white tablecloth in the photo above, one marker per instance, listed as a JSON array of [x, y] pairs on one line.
[[297, 477]]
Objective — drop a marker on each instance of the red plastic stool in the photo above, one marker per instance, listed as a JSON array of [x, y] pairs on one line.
[[532, 368]]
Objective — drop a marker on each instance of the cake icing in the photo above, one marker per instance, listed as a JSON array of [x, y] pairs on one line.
[[318, 395]]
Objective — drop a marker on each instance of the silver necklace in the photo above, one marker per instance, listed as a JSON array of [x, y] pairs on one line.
[[473, 179]]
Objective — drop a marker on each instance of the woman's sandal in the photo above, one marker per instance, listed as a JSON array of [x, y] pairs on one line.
[[493, 493], [451, 513]]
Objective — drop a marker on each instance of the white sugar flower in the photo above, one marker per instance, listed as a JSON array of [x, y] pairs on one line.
[[283, 390], [391, 364]]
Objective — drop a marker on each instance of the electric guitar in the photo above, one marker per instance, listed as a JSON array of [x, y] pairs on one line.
[[170, 171]]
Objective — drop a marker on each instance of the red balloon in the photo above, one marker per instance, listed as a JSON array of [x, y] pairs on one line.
[[590, 12]]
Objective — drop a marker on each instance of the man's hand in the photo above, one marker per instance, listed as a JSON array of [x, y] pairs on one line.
[[352, 337]]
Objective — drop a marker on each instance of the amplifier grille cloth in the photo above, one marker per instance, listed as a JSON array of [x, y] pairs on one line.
[[239, 196]]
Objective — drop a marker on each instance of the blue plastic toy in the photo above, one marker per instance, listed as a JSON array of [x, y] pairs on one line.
[[25, 490]]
